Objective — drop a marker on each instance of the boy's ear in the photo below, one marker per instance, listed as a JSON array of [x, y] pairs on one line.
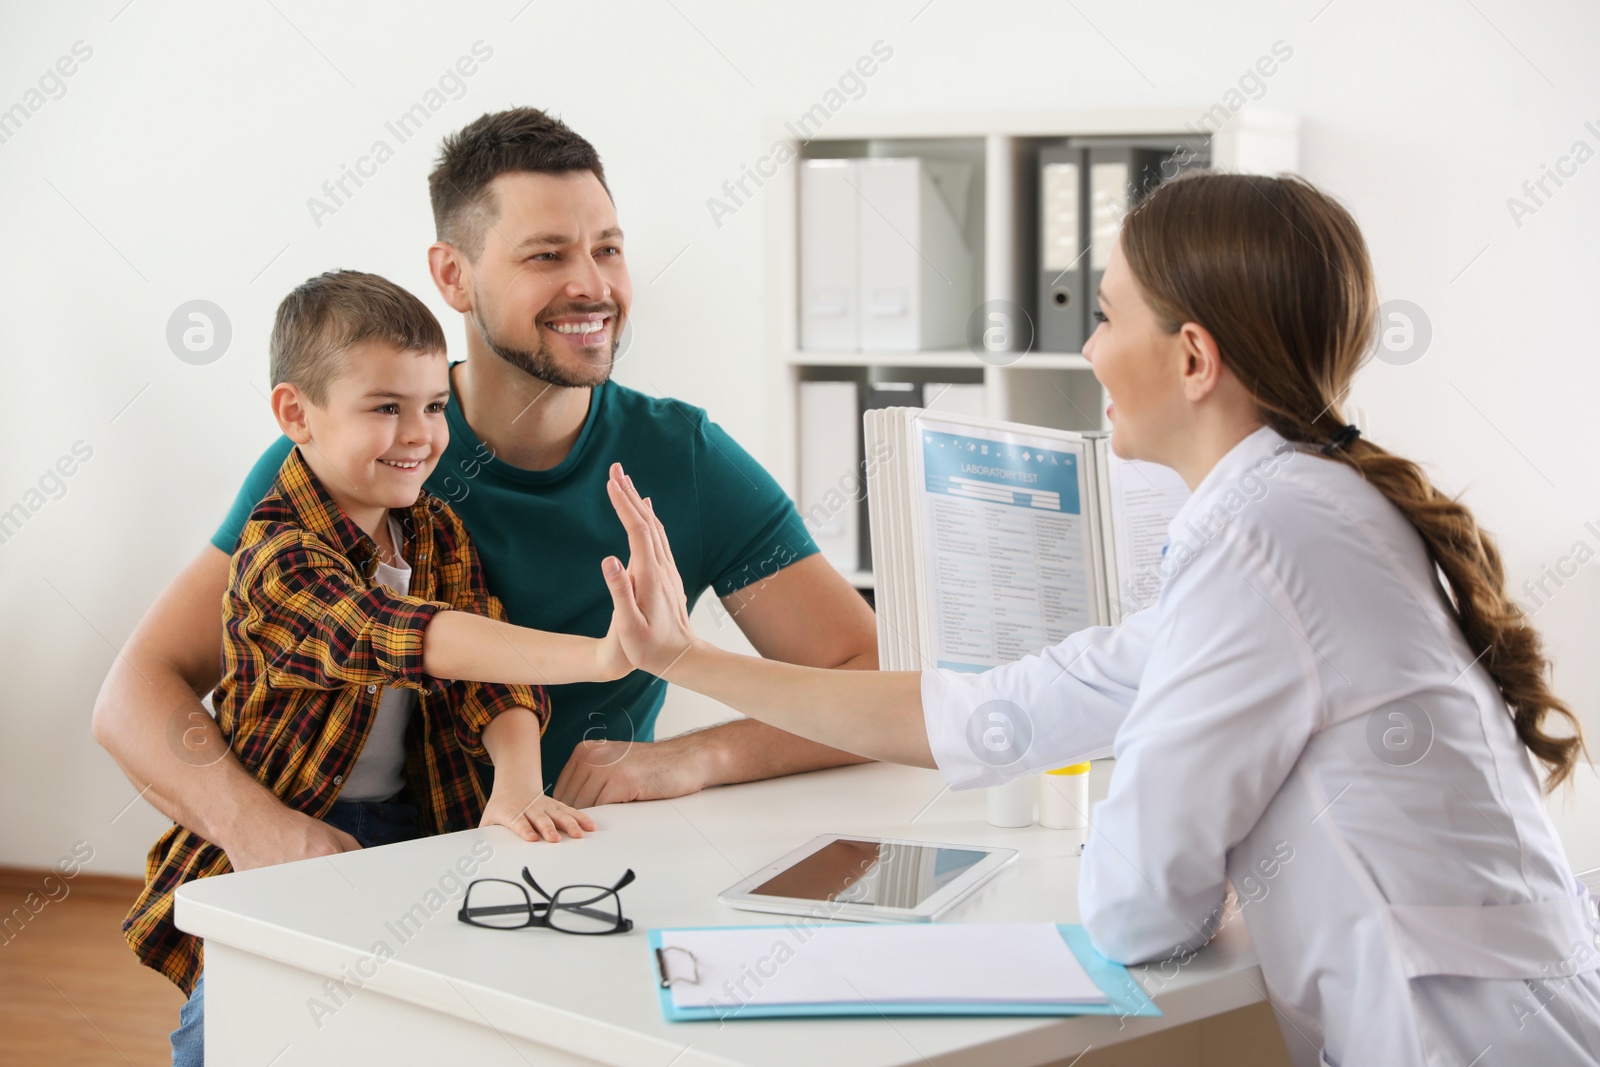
[[289, 408]]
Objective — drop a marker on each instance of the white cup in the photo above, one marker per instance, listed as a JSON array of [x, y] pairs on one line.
[[1011, 804]]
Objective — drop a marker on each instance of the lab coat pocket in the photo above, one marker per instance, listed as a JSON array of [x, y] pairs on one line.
[[1538, 939]]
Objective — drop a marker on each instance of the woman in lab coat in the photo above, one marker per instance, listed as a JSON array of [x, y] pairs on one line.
[[1332, 701]]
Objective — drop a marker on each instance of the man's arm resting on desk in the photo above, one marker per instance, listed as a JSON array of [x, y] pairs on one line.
[[150, 719], [806, 613]]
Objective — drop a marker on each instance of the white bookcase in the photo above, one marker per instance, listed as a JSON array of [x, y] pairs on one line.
[[1049, 389]]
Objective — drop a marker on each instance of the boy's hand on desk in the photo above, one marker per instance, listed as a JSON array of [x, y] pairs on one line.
[[649, 610], [533, 816], [284, 835], [518, 800]]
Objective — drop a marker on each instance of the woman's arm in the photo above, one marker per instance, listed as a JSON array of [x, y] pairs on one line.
[[872, 713]]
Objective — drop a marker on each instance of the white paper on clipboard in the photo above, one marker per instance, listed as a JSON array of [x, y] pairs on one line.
[[955, 963]]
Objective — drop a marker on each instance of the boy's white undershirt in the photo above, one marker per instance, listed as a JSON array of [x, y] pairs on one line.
[[379, 772]]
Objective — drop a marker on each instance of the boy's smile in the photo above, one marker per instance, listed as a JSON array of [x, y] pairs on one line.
[[379, 432]]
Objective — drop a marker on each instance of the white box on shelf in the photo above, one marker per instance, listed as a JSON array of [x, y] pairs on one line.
[[916, 268], [831, 480], [829, 300], [884, 265]]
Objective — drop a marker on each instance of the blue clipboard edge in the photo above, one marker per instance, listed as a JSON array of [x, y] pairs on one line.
[[1126, 996]]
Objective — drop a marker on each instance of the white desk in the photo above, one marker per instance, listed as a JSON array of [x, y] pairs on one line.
[[455, 994]]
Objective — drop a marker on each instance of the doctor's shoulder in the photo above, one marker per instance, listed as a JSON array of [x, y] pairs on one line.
[[1287, 510], [1253, 499]]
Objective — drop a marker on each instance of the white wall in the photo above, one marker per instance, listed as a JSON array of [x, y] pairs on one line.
[[179, 160]]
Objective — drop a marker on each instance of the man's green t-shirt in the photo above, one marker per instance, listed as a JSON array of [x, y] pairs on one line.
[[542, 534]]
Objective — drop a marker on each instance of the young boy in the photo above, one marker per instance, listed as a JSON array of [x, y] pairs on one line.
[[339, 632]]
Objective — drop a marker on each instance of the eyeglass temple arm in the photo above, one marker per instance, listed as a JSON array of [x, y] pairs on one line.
[[527, 876]]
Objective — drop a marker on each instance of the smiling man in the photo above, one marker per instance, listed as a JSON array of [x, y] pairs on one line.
[[530, 252]]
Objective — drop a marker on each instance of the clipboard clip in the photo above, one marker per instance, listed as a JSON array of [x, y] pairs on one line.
[[693, 978]]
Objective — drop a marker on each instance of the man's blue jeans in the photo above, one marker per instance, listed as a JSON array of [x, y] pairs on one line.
[[372, 823]]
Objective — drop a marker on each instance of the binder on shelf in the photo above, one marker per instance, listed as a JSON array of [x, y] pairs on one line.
[[996, 969], [1086, 187], [829, 315], [1119, 176], [832, 482], [1063, 245], [884, 260]]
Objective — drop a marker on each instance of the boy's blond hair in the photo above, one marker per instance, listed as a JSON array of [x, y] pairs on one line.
[[327, 314]]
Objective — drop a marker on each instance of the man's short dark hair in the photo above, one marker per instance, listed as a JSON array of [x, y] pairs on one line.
[[504, 142], [326, 315]]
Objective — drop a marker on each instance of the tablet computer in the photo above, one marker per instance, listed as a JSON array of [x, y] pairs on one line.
[[869, 879]]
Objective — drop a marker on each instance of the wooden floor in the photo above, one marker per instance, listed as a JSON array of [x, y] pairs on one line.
[[71, 991]]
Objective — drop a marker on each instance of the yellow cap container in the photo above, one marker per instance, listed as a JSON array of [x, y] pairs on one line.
[[1064, 797]]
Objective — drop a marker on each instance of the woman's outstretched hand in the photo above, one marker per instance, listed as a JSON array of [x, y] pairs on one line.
[[649, 610]]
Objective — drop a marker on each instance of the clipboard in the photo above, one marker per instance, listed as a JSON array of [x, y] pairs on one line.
[[1125, 997]]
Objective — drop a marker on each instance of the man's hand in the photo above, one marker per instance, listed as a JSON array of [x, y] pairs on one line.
[[532, 815], [615, 772], [282, 835]]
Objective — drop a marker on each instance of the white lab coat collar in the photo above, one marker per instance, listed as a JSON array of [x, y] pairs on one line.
[[1234, 465]]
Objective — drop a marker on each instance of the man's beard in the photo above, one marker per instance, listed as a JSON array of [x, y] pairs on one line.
[[543, 364]]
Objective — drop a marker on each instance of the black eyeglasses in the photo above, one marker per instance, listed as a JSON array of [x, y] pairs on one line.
[[501, 904]]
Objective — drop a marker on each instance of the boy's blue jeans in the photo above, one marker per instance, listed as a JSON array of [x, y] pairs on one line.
[[370, 822]]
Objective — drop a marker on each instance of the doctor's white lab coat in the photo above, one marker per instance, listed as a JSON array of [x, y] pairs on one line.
[[1299, 712]]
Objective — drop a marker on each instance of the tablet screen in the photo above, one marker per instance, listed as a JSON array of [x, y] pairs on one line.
[[872, 872]]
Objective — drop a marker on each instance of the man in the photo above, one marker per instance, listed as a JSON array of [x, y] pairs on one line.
[[530, 252]]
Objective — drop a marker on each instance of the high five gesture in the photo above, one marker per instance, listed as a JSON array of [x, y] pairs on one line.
[[874, 713]]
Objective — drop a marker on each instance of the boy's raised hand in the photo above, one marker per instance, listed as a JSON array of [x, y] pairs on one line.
[[649, 610], [611, 661]]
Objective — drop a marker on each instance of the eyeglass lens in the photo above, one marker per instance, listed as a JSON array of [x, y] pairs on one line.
[[585, 909], [494, 902]]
